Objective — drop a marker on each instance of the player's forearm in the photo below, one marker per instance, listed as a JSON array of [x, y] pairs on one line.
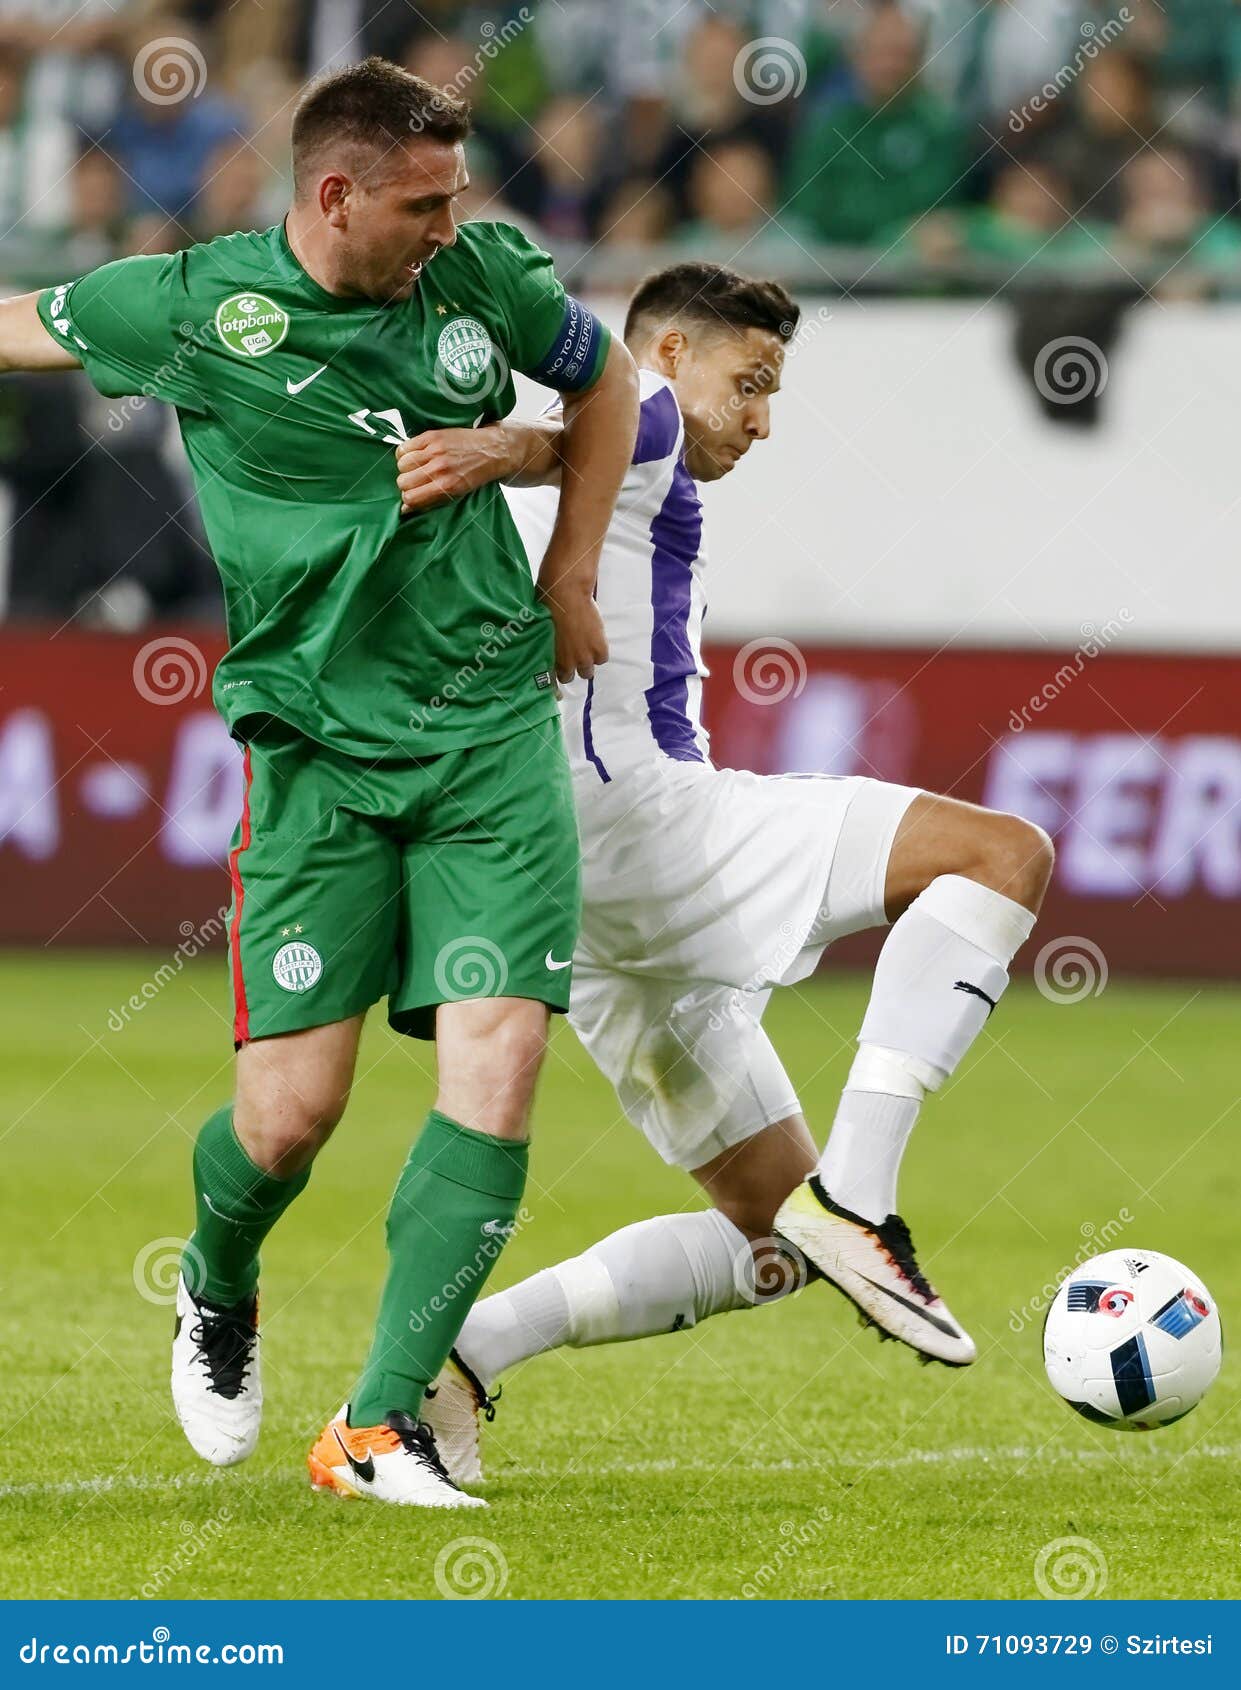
[[24, 343], [532, 451], [595, 450]]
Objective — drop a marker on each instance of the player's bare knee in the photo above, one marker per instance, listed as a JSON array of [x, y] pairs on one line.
[[490, 1052], [282, 1128], [1016, 858]]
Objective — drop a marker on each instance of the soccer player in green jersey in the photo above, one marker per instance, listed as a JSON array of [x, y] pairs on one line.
[[408, 829]]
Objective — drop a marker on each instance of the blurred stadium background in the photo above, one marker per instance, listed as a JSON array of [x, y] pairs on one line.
[[989, 548]]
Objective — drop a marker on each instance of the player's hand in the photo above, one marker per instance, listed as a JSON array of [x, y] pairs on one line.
[[581, 644], [445, 463]]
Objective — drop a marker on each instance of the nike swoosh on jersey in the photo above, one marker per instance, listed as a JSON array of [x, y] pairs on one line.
[[365, 1470], [555, 966], [297, 386]]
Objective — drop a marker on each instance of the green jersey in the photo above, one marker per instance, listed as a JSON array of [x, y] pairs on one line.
[[379, 634]]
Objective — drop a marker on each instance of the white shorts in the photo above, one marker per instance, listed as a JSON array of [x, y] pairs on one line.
[[704, 888]]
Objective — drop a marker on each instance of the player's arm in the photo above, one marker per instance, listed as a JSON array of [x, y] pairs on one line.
[[600, 425], [445, 463], [24, 342]]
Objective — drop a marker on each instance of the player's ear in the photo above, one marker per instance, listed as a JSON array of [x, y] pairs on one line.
[[334, 199], [670, 348]]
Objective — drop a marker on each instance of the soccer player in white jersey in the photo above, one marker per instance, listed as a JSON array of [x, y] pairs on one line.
[[704, 888]]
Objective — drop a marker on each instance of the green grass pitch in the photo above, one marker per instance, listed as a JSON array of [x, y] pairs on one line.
[[779, 1452]]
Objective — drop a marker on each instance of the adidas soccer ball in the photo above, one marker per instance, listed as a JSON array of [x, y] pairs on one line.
[[1132, 1340]]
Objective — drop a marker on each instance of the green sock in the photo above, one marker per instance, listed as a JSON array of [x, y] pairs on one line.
[[237, 1206], [450, 1217]]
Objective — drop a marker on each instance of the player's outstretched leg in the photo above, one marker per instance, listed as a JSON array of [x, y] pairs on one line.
[[455, 1204], [970, 883], [291, 1091], [660, 1275]]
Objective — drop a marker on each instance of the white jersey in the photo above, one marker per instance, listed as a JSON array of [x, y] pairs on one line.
[[702, 888], [645, 703]]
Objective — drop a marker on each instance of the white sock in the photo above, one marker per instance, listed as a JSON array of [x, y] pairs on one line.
[[661, 1275], [942, 970]]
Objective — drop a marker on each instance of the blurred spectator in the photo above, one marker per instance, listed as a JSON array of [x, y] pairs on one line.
[[485, 197], [633, 222], [96, 213], [232, 193], [152, 232], [1025, 224], [37, 149], [78, 466], [456, 65], [636, 217], [732, 195], [1167, 226], [78, 62], [866, 163], [561, 184], [630, 52], [1192, 46], [168, 129], [707, 103], [1099, 125], [986, 57]]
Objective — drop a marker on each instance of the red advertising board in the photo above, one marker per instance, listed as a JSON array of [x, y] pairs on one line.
[[119, 786]]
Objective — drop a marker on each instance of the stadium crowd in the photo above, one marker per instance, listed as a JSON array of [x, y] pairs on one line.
[[1079, 149]]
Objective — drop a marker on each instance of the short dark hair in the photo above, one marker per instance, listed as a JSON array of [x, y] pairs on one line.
[[375, 105], [712, 294]]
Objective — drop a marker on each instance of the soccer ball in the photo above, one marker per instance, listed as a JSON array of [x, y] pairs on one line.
[[1132, 1340]]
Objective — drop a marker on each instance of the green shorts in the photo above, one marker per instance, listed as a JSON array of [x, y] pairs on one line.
[[425, 881]]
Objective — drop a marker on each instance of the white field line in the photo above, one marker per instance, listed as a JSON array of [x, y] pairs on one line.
[[912, 1458]]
